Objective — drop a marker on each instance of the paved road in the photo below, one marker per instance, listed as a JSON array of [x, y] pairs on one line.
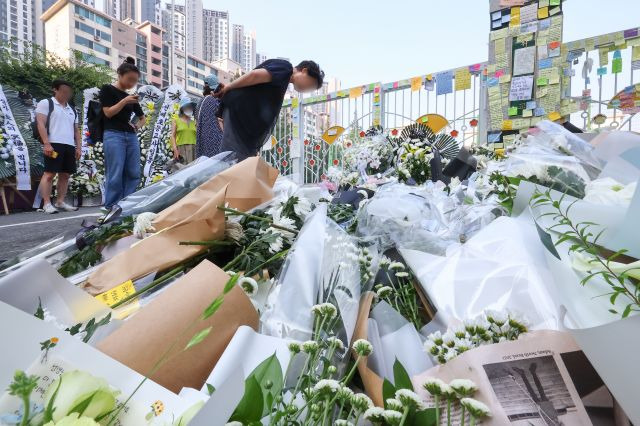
[[22, 231]]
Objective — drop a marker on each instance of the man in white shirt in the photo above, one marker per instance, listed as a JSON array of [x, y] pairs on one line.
[[62, 144]]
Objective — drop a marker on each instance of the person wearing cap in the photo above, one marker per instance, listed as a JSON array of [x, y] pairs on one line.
[[251, 104], [209, 126], [183, 132]]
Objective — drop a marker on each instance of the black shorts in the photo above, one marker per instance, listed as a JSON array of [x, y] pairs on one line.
[[65, 162]]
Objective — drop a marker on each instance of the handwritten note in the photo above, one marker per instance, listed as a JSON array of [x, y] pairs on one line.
[[463, 79], [529, 13], [445, 83], [521, 88], [543, 12], [524, 61]]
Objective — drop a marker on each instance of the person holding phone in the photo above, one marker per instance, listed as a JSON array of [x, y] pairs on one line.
[[121, 146], [250, 105]]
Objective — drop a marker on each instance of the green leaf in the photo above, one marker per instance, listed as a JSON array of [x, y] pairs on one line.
[[82, 405], [401, 377], [627, 311], [39, 312], [388, 391], [270, 371], [250, 407], [231, 283], [424, 418], [213, 307], [198, 337], [210, 389]]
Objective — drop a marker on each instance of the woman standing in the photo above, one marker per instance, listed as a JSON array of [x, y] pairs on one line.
[[122, 119], [183, 132], [209, 134]]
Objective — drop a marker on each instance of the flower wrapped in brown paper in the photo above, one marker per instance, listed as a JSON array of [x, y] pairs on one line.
[[249, 184], [140, 341], [162, 250]]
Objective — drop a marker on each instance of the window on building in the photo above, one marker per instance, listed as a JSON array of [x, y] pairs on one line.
[[156, 73], [156, 49], [156, 61], [95, 60], [92, 45], [156, 30]]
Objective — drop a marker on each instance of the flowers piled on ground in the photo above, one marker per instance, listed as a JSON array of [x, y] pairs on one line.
[[460, 392], [400, 291], [6, 145], [371, 155], [414, 162], [342, 178], [490, 327], [316, 393]]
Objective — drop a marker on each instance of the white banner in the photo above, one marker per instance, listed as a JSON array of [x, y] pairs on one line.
[[20, 153], [91, 94], [172, 96]]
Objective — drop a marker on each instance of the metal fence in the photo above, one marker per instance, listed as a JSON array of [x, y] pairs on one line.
[[298, 148]]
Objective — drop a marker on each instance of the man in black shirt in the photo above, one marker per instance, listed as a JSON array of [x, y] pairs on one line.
[[251, 104]]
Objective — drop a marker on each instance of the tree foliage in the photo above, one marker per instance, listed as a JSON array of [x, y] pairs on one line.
[[35, 69]]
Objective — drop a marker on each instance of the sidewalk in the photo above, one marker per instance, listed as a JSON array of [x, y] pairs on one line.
[[22, 231]]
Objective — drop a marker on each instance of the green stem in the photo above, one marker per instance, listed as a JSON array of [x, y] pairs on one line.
[[27, 408], [326, 411], [473, 421], [207, 243], [348, 377], [275, 257], [449, 412], [436, 398], [404, 416], [462, 416]]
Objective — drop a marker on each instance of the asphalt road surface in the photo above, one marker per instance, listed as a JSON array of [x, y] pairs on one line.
[[23, 231]]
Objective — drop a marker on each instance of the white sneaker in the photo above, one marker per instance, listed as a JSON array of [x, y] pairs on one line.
[[49, 209], [66, 207]]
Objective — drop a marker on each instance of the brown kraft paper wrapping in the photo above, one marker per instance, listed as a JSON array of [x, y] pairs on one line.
[[250, 184], [372, 382], [162, 250], [140, 341]]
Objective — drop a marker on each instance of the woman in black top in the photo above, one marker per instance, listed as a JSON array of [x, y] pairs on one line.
[[122, 119], [251, 104]]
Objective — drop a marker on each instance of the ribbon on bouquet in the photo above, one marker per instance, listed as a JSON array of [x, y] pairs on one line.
[[20, 152], [172, 96]]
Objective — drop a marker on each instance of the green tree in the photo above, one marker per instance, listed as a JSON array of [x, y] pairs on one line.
[[35, 69]]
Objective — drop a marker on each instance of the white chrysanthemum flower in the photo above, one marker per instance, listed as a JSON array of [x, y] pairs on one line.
[[335, 342], [396, 265], [234, 423], [409, 399], [402, 274], [310, 347], [463, 387], [249, 285], [434, 386], [392, 417], [496, 317], [328, 310], [475, 408], [342, 423], [450, 355], [327, 387], [384, 291], [384, 261], [144, 224], [394, 404], [361, 402], [362, 347], [449, 339], [345, 394], [436, 337], [374, 415], [302, 208], [233, 231], [365, 194], [277, 245], [463, 345]]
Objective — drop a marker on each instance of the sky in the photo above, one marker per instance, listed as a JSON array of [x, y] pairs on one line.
[[359, 41]]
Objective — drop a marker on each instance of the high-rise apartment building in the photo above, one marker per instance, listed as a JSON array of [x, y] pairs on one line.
[[260, 58], [237, 42], [127, 40], [19, 23], [249, 51], [148, 10], [158, 57], [73, 26], [215, 35], [179, 26], [194, 13]]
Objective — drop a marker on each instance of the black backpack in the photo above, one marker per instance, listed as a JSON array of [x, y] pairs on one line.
[[34, 123], [95, 122]]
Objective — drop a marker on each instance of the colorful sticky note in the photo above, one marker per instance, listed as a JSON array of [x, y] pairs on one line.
[[463, 79], [416, 84], [542, 81], [117, 294], [507, 125], [527, 113], [543, 13], [295, 102], [616, 66], [532, 105], [555, 116], [554, 2], [545, 63], [513, 111], [539, 112], [445, 83]]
